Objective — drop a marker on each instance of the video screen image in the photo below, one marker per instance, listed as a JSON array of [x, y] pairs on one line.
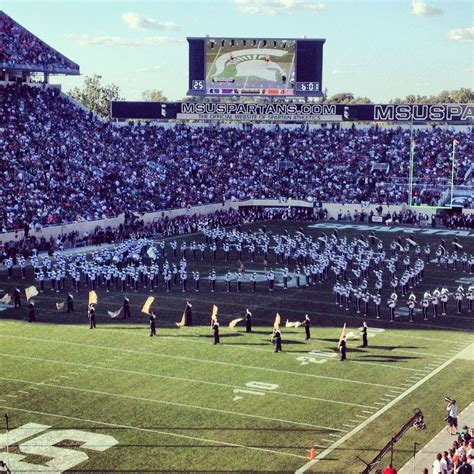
[[250, 64]]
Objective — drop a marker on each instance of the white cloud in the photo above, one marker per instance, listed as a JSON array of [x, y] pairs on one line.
[[150, 69], [348, 69], [421, 8], [105, 40], [274, 7], [137, 22], [461, 34], [337, 71]]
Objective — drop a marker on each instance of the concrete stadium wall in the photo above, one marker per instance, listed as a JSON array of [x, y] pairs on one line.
[[90, 226]]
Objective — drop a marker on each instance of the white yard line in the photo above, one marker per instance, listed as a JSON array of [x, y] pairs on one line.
[[385, 366], [369, 420], [192, 359], [387, 333], [183, 405], [170, 377], [416, 352], [149, 430]]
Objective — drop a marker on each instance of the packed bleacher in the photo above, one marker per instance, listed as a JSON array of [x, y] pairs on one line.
[[60, 164], [457, 459], [22, 49]]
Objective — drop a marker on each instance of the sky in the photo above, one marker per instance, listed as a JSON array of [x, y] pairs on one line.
[[381, 49]]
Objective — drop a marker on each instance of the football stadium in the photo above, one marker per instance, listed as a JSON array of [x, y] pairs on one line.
[[256, 278]]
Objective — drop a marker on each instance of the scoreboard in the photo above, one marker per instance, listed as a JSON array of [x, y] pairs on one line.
[[255, 66]]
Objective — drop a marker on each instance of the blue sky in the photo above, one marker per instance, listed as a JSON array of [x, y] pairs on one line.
[[380, 49]]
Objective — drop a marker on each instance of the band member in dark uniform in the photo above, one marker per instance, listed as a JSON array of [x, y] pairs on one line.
[[364, 334], [188, 314], [248, 321], [92, 316], [307, 325], [343, 348], [215, 328], [152, 319], [126, 308], [70, 303], [277, 339], [16, 297], [31, 311]]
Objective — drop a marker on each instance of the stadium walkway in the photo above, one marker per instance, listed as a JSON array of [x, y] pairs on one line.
[[443, 440]]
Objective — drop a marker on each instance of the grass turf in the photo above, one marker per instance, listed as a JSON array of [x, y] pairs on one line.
[[172, 402]]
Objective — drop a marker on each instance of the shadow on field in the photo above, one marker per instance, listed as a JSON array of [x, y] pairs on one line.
[[391, 348], [391, 357], [122, 328], [211, 336]]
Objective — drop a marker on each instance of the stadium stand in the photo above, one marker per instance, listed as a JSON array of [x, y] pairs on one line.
[[24, 51], [60, 164]]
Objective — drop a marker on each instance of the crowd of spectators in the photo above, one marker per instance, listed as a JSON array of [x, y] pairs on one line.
[[458, 459], [19, 47], [60, 164]]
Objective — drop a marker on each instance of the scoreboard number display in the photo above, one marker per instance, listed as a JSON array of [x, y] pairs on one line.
[[307, 87]]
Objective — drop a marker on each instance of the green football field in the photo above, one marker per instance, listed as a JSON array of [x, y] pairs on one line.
[[115, 399]]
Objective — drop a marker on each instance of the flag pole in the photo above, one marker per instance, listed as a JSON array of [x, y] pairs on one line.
[[412, 153], [455, 142], [7, 440]]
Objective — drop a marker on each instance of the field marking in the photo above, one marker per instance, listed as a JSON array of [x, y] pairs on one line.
[[383, 365], [420, 337], [349, 426], [207, 361], [205, 382], [11, 396], [149, 430], [416, 352], [369, 420], [379, 403], [164, 402], [22, 391]]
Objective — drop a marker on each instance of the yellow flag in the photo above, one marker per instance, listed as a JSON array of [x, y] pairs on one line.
[[296, 324], [233, 323], [183, 320], [343, 333], [60, 306], [411, 242], [277, 322], [115, 314], [6, 299], [92, 298], [31, 292], [214, 313], [147, 305]]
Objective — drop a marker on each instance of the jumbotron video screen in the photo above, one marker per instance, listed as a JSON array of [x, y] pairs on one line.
[[255, 66]]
